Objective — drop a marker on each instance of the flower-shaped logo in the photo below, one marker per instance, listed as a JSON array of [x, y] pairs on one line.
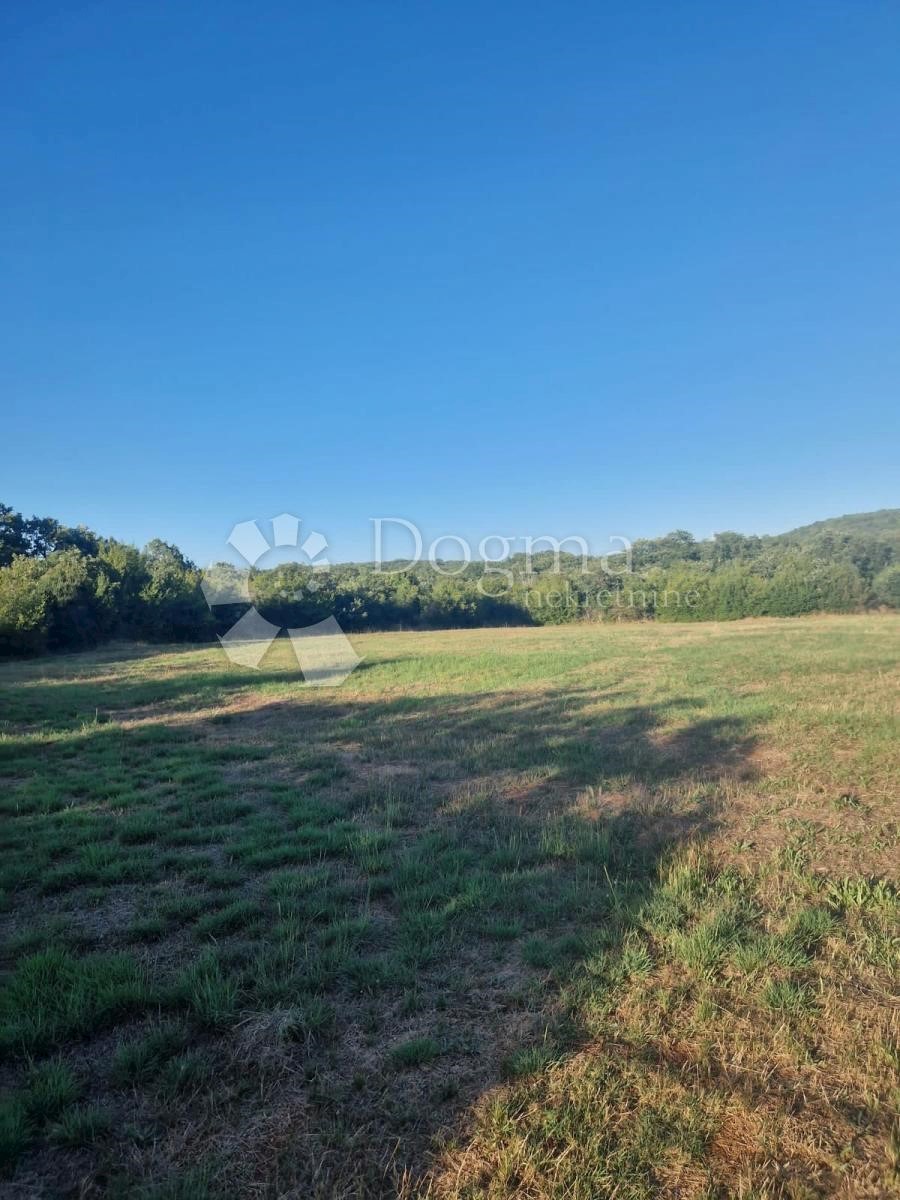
[[323, 652]]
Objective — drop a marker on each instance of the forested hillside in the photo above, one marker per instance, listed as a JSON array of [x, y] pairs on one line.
[[884, 525], [64, 588]]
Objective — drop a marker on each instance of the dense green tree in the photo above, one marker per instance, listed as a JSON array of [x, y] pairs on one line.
[[66, 588], [36, 537], [172, 605], [863, 551], [678, 546], [790, 590], [23, 607], [76, 615], [736, 591], [729, 547], [682, 593], [13, 540], [887, 586]]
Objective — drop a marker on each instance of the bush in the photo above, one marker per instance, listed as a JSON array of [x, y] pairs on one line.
[[23, 607], [65, 589], [886, 586]]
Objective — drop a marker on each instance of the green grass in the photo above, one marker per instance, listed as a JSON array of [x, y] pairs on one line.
[[81, 1126], [14, 1132], [573, 912], [142, 1058], [417, 1052], [53, 996], [50, 1088], [209, 991]]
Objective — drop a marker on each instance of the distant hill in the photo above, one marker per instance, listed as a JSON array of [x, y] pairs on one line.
[[884, 525]]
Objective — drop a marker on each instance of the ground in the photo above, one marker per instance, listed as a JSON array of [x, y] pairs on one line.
[[585, 912]]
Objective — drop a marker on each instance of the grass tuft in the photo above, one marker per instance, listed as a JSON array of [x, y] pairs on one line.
[[81, 1126], [417, 1052], [211, 994], [54, 995], [50, 1088]]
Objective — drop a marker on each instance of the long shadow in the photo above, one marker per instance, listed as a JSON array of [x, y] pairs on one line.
[[522, 838], [557, 809], [68, 702], [576, 734]]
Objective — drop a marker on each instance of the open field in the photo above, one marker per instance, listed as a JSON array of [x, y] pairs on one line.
[[582, 912]]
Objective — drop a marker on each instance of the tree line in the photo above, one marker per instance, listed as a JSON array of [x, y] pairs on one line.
[[64, 588]]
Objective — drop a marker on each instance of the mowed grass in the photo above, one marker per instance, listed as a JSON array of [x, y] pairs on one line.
[[578, 912]]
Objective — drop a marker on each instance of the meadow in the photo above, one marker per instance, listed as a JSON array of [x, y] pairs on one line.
[[584, 911]]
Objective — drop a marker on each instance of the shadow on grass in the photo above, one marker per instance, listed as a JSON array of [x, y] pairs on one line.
[[533, 843], [478, 866], [57, 702]]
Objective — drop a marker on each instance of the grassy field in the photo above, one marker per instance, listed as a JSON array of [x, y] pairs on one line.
[[576, 912]]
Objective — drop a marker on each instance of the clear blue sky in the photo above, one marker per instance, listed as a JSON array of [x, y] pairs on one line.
[[510, 267]]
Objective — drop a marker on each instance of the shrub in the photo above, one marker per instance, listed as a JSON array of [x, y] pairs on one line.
[[886, 586]]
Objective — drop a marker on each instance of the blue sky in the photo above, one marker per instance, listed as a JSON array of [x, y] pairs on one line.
[[512, 268]]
